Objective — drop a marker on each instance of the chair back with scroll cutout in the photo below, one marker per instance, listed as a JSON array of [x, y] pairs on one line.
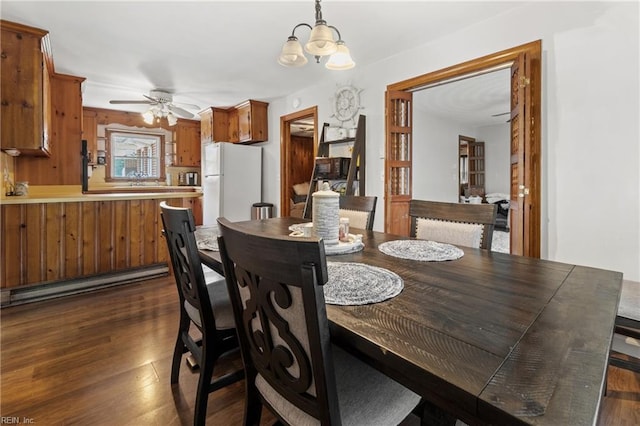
[[276, 288], [275, 284]]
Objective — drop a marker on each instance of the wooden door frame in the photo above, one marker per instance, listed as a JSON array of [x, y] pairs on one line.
[[285, 150], [533, 142]]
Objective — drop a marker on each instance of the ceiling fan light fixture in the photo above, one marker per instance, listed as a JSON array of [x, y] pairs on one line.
[[341, 59], [160, 105], [321, 43], [172, 119], [148, 116]]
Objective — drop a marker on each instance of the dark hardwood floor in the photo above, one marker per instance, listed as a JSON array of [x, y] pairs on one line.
[[104, 358]]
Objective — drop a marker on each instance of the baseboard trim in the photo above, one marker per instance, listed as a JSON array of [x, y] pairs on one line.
[[38, 292]]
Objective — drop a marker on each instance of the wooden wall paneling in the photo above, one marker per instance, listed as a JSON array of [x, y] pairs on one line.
[[49, 242], [162, 255], [121, 231], [302, 159], [151, 215], [126, 118], [105, 236], [11, 245], [159, 243], [136, 231], [90, 132], [90, 238], [54, 237], [72, 222], [33, 255]]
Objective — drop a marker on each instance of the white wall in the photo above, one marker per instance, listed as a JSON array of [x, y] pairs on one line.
[[590, 136], [435, 157], [497, 156]]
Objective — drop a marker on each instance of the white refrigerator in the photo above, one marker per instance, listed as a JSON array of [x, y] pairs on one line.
[[231, 181]]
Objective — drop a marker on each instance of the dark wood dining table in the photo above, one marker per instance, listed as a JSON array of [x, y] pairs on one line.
[[491, 338]]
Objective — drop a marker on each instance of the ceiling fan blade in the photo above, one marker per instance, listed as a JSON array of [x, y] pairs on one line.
[[131, 102], [190, 106], [180, 111], [151, 100], [502, 113]]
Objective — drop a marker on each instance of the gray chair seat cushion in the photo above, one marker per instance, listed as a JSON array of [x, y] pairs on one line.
[[629, 306], [366, 396], [219, 298]]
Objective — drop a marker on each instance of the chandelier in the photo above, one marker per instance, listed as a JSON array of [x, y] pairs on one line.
[[321, 43], [159, 111]]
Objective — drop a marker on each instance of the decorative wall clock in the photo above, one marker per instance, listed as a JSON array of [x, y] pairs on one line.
[[346, 103]]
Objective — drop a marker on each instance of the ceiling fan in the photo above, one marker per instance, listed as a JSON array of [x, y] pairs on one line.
[[503, 113], [161, 105]]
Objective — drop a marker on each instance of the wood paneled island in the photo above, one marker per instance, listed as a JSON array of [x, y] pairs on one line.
[[57, 244]]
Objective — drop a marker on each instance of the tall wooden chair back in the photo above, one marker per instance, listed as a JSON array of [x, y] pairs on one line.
[[469, 225], [360, 209], [204, 305], [276, 288]]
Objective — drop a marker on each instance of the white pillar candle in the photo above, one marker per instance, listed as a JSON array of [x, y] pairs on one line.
[[326, 217]]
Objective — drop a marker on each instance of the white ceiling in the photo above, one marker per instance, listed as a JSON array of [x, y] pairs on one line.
[[481, 100], [219, 53]]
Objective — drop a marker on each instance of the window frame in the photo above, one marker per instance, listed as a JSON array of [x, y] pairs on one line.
[[144, 133]]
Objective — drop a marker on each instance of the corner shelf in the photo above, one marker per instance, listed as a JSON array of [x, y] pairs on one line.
[[356, 172]]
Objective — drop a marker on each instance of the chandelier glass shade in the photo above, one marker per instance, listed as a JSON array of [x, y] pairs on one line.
[[321, 43], [292, 54]]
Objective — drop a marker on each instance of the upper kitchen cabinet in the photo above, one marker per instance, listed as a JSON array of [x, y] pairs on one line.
[[252, 121], [25, 89], [245, 123], [214, 125], [187, 138], [233, 125]]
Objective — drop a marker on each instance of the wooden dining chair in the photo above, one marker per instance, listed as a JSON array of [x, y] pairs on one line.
[[360, 209], [628, 324], [469, 225], [275, 284], [204, 305]]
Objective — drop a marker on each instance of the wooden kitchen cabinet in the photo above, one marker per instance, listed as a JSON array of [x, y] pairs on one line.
[[233, 125], [214, 125], [244, 123], [187, 138], [25, 89], [195, 204], [252, 121]]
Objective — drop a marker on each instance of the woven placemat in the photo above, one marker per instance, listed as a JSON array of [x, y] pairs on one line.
[[207, 237], [359, 284], [427, 251]]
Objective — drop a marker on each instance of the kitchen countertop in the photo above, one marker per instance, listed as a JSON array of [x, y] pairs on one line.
[[73, 194]]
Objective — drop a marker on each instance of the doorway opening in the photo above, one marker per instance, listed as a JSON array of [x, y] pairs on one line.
[[524, 140], [298, 147]]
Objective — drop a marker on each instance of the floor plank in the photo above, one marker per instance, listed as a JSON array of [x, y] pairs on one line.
[[104, 358]]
